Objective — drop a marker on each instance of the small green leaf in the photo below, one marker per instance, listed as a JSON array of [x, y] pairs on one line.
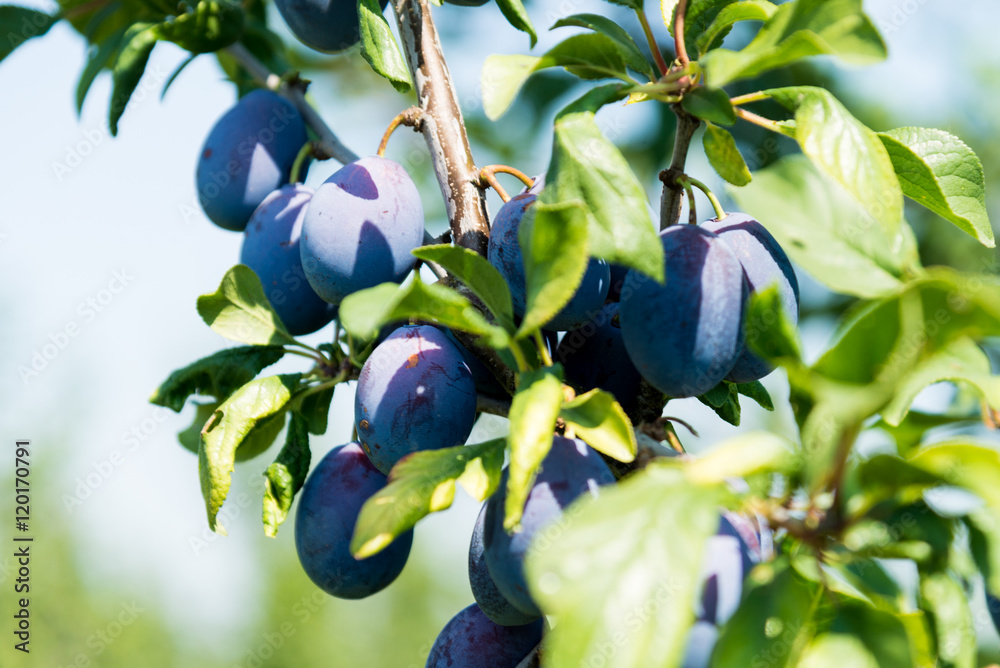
[[724, 156], [98, 57], [834, 650], [941, 172], [209, 26], [516, 15], [847, 151], [631, 4], [710, 104], [379, 47], [365, 311], [190, 438], [285, 477], [725, 401], [588, 169], [636, 551], [554, 247], [768, 330], [315, 409], [798, 30], [743, 456], [533, 413], [420, 484], [216, 376], [176, 73], [911, 429], [19, 24], [478, 275], [254, 403], [700, 15], [630, 51], [746, 10], [138, 42], [951, 618], [239, 310], [601, 422], [825, 231], [755, 390]]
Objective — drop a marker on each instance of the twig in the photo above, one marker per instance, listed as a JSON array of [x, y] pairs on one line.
[[443, 127], [329, 143], [651, 40], [412, 117], [673, 191], [492, 405], [679, 15]]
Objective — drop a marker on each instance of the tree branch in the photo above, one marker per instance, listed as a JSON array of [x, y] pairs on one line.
[[673, 191], [443, 126], [329, 143]]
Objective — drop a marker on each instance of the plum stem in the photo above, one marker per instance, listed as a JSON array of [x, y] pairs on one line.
[[522, 361], [490, 179], [543, 352], [720, 213], [412, 117], [329, 143], [756, 119], [748, 98], [300, 159], [661, 64], [443, 127], [679, 16], [692, 207], [673, 191], [487, 175]]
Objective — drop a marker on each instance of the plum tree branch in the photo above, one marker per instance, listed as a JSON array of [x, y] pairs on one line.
[[443, 126], [329, 143], [673, 189]]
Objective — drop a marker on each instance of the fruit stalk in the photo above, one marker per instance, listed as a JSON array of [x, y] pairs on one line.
[[673, 190], [329, 143], [443, 126]]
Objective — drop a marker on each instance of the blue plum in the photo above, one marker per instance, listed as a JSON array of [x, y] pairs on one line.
[[484, 589], [484, 379], [685, 336], [324, 523], [728, 558], [570, 469], [324, 25], [504, 253], [360, 228], [594, 356], [415, 392], [271, 249], [247, 155], [764, 263], [471, 640], [993, 607]]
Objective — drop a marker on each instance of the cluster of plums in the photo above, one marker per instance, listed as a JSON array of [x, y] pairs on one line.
[[418, 388]]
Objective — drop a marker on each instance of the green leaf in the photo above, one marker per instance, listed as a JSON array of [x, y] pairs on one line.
[[210, 26], [285, 477], [984, 543], [601, 422], [951, 618], [379, 47], [478, 275], [960, 361], [825, 231], [630, 51], [594, 99], [98, 57], [421, 484], [633, 550], [365, 311], [725, 401], [710, 104], [516, 15], [254, 403], [724, 156], [777, 615], [769, 331], [746, 10], [848, 152], [940, 171], [315, 408], [19, 24], [973, 467], [588, 169], [553, 242], [190, 438], [533, 413], [798, 30], [239, 310], [631, 4], [834, 650], [911, 429], [129, 66], [742, 456], [755, 390], [176, 73], [699, 16], [217, 375], [588, 56]]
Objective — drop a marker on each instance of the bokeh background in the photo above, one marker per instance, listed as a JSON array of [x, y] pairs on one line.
[[105, 235]]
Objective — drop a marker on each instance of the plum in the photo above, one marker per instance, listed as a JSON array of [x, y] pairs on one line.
[[324, 523], [247, 155], [271, 249], [764, 263], [484, 379], [685, 336], [360, 227], [728, 558], [618, 273], [504, 253], [415, 392], [323, 25], [570, 469], [471, 640], [484, 589], [594, 356], [993, 607]]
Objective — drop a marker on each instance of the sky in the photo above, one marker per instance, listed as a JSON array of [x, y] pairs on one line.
[[103, 251]]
